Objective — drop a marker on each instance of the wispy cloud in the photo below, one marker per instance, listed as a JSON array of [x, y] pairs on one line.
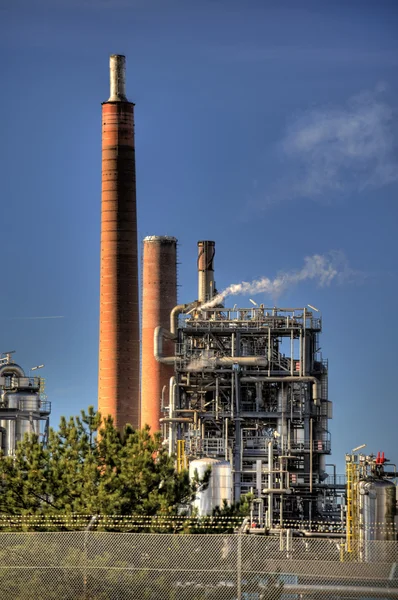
[[246, 53], [331, 151], [32, 318]]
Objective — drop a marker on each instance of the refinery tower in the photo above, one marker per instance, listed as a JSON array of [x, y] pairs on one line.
[[118, 385]]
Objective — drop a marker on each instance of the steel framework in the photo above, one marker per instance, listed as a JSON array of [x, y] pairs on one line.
[[251, 387]]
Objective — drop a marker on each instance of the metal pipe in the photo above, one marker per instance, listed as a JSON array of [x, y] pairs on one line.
[[206, 252], [304, 344], [301, 353], [172, 405], [232, 397], [311, 453], [325, 534], [217, 398], [160, 333], [176, 312], [117, 67], [158, 336], [291, 353], [270, 515], [12, 368], [226, 438], [176, 420], [162, 397], [342, 590]]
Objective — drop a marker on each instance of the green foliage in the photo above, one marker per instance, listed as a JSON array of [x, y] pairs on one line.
[[82, 472], [239, 509]]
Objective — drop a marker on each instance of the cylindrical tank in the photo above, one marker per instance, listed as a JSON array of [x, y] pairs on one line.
[[3, 437], [159, 297], [26, 421], [206, 252], [377, 509], [119, 353], [220, 484], [8, 442]]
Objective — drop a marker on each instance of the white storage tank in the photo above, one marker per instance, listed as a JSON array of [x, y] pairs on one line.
[[220, 484], [377, 509]]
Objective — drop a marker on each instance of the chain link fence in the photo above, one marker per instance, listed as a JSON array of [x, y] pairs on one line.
[[100, 565]]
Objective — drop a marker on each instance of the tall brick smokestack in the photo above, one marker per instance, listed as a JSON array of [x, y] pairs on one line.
[[159, 297], [118, 386]]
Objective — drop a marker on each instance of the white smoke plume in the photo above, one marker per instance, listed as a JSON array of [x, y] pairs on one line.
[[198, 364], [322, 268]]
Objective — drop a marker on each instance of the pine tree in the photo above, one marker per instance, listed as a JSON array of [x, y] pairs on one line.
[[85, 473]]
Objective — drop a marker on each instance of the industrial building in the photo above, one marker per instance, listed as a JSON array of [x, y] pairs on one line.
[[249, 399], [24, 407], [241, 390], [250, 390]]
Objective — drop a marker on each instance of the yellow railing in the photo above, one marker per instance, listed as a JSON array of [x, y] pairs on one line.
[[352, 472], [182, 462]]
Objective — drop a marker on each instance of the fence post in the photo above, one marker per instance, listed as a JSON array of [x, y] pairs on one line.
[[242, 529], [239, 567], [92, 522]]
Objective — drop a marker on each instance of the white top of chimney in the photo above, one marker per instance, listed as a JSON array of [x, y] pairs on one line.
[[117, 66]]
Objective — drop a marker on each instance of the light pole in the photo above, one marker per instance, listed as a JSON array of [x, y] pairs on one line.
[[35, 369]]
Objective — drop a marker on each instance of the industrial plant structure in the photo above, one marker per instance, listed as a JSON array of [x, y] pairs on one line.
[[250, 389], [241, 390], [24, 407]]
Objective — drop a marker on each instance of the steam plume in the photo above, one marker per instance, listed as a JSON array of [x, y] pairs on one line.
[[323, 268]]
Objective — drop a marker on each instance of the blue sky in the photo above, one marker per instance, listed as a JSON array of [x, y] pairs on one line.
[[268, 126]]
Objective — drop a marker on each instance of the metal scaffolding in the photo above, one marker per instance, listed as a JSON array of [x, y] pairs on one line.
[[250, 387]]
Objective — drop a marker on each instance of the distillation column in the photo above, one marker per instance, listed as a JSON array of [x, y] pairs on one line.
[[159, 297], [119, 355]]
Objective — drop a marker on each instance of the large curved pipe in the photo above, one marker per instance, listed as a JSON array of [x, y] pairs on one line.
[[177, 311], [158, 336], [12, 368], [161, 333]]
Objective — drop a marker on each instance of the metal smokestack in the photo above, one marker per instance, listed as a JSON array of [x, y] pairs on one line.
[[159, 297], [118, 385], [117, 66], [206, 284]]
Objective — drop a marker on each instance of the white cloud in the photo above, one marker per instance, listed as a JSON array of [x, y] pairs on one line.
[[340, 149]]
